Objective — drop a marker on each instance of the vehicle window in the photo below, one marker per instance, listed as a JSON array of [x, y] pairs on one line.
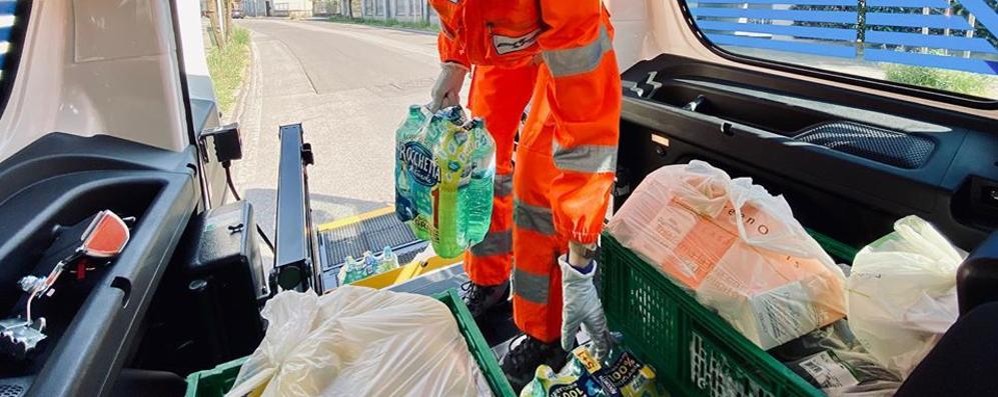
[[948, 45], [13, 15]]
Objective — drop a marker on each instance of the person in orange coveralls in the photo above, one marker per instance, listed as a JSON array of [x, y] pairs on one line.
[[548, 211]]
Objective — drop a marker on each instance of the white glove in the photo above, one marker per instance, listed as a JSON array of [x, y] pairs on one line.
[[447, 90], [582, 307]]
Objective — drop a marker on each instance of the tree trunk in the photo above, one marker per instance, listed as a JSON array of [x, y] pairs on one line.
[[228, 19], [212, 13]]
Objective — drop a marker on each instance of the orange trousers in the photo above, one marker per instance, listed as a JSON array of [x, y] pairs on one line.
[[558, 189]]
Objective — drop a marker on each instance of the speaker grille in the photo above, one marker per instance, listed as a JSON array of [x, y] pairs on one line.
[[877, 144], [11, 390]]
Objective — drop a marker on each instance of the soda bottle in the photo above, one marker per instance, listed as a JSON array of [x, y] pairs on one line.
[[388, 260], [477, 207], [453, 161], [407, 132]]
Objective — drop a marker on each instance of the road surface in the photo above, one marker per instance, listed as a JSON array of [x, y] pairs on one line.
[[349, 86]]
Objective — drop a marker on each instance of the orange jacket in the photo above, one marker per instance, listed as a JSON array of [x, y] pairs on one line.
[[512, 32]]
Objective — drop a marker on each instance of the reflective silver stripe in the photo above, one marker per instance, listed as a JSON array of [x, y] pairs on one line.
[[530, 286], [585, 158], [578, 60], [495, 243], [538, 219], [503, 185]]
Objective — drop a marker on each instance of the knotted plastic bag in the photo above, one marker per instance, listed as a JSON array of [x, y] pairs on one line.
[[358, 341], [738, 248], [902, 293]]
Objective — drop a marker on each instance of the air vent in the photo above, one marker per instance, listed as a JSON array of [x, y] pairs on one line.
[[889, 147]]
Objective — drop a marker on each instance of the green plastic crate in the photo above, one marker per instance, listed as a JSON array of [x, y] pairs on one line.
[[215, 382], [693, 350]]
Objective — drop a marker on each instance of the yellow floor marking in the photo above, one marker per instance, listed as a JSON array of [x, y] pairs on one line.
[[355, 219]]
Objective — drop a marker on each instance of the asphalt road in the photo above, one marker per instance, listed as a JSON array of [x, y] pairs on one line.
[[349, 86]]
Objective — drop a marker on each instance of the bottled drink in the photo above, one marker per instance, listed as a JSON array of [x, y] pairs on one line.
[[370, 263], [407, 132], [388, 260], [477, 207], [422, 173], [453, 156], [352, 270]]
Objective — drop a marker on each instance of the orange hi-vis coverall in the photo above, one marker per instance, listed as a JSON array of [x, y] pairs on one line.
[[557, 56]]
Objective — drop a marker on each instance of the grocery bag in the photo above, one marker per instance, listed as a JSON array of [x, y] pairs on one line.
[[736, 247], [444, 174], [358, 341], [831, 359], [902, 293]]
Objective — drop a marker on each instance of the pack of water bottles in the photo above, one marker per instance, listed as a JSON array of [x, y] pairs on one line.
[[367, 265], [444, 171]]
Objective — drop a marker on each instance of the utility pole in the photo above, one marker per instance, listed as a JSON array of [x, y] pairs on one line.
[[221, 18]]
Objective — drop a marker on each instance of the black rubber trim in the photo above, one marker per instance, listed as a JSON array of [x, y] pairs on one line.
[[865, 82]]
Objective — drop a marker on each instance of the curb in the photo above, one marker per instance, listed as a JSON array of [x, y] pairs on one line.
[[408, 30]]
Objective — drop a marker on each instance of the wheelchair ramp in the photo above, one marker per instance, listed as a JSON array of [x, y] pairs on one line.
[[371, 231]]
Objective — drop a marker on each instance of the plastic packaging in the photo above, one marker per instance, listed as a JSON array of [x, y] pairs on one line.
[[622, 375], [902, 293], [444, 175], [411, 127], [736, 247], [388, 260], [359, 341], [353, 270], [832, 359], [477, 206]]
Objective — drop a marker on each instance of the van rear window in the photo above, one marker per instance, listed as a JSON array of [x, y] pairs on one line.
[[13, 18], [945, 45]]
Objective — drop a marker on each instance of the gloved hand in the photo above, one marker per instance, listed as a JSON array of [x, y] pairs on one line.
[[582, 307], [447, 90]]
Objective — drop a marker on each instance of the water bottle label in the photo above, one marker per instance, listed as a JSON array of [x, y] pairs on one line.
[[419, 162]]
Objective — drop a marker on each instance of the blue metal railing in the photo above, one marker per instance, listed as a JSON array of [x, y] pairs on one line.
[[947, 34]]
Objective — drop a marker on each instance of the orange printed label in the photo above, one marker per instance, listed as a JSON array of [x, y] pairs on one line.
[[704, 244]]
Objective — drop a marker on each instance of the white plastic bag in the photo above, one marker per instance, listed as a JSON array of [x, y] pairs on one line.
[[737, 247], [359, 341], [902, 293]]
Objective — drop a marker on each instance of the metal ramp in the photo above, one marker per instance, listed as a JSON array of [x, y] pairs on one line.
[[371, 231]]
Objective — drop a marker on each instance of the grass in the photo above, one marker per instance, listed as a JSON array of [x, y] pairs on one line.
[[390, 23], [228, 67], [973, 84]]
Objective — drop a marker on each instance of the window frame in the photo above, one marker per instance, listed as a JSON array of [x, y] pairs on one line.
[[860, 81], [12, 59]]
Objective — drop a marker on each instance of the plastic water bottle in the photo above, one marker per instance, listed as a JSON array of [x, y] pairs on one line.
[[371, 263], [410, 129], [352, 270], [388, 260], [453, 156], [477, 206], [423, 174]]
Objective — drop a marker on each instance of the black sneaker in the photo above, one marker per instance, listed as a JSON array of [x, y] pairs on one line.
[[521, 362], [480, 298]]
